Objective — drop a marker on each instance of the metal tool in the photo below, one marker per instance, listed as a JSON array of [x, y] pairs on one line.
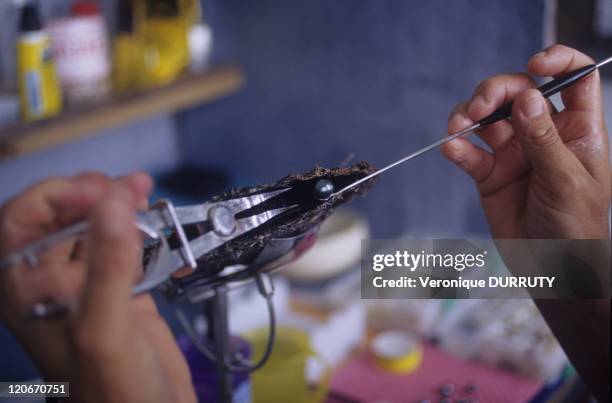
[[163, 227], [503, 112], [175, 238], [199, 253], [190, 251]]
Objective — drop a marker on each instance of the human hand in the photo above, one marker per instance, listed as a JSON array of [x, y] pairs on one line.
[[547, 175], [113, 347]]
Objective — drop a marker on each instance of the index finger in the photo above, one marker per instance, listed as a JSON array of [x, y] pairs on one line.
[[56, 202], [113, 260], [557, 60], [46, 207]]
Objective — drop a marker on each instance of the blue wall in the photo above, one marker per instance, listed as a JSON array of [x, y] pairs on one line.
[[377, 78]]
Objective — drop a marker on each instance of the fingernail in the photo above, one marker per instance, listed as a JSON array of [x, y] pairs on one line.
[[115, 225], [539, 55], [143, 181], [115, 218], [533, 105]]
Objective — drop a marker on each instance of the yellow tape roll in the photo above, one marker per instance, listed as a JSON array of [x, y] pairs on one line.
[[397, 352]]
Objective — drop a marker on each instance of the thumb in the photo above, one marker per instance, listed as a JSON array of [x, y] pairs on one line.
[[113, 258], [538, 135]]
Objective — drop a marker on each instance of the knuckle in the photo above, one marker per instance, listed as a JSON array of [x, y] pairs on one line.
[[495, 81], [569, 51], [527, 78], [559, 49], [92, 174], [458, 108], [93, 177], [492, 83], [544, 137], [486, 85], [50, 181]]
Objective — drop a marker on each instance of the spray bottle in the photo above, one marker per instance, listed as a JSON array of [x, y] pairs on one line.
[[39, 89]]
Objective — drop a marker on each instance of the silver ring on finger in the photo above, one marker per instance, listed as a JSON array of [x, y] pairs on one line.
[[48, 309]]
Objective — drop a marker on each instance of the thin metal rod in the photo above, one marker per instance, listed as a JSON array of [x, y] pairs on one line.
[[221, 339], [462, 133], [604, 62]]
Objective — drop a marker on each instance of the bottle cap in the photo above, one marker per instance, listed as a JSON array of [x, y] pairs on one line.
[[397, 352], [125, 16], [29, 20], [162, 8], [85, 8]]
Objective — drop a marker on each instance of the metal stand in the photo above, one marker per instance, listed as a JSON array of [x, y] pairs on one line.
[[218, 335], [218, 332]]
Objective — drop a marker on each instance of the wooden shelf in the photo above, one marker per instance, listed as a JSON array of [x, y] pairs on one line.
[[189, 90]]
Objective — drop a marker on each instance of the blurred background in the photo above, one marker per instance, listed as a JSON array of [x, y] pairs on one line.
[[216, 94]]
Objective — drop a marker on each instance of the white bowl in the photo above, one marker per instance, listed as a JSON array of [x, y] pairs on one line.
[[338, 248]]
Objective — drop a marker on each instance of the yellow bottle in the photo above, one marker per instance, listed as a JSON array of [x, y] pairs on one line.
[[39, 90], [128, 63], [191, 11], [164, 35], [128, 52]]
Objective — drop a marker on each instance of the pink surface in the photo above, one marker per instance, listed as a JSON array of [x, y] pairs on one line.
[[362, 380]]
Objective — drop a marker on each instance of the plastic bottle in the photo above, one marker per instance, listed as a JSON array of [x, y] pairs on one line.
[[199, 34], [39, 91], [164, 33], [80, 45], [128, 52]]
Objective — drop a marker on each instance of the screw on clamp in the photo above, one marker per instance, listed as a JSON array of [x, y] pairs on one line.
[[223, 221]]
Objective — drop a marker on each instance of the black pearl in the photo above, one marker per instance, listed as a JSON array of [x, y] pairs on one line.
[[324, 189]]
